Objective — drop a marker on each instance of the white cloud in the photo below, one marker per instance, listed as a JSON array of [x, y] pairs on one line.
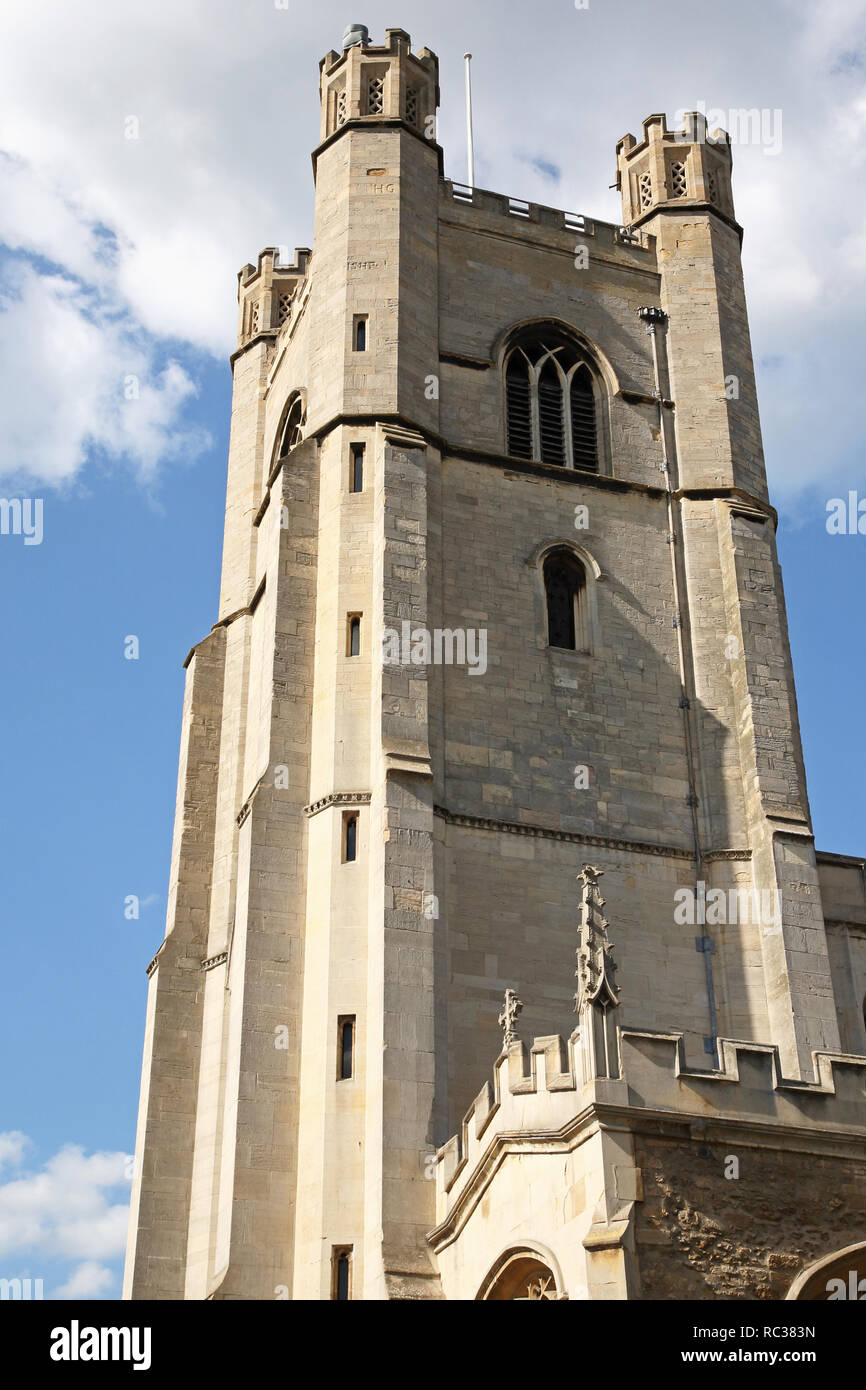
[[35, 216], [67, 1210], [189, 199], [87, 1280], [87, 378], [226, 102], [13, 1145]]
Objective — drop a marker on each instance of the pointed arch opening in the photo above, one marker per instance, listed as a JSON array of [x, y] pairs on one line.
[[522, 1276], [291, 430], [565, 588], [840, 1276]]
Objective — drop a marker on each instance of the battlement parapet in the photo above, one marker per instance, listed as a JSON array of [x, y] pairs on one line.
[[267, 291], [486, 206], [379, 83], [398, 43], [540, 1096], [694, 128], [674, 170]]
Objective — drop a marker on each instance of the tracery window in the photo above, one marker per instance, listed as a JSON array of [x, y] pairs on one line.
[[678, 183], [537, 1286], [291, 431], [550, 404], [376, 95], [522, 1277]]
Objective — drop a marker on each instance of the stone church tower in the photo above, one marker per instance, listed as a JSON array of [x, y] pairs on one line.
[[500, 686]]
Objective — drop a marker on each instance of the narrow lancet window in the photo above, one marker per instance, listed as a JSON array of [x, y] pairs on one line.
[[565, 590]]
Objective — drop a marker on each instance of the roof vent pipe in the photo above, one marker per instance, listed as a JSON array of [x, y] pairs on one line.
[[356, 34]]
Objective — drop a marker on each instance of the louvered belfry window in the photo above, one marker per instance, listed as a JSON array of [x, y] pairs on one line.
[[550, 404], [584, 440], [519, 394], [550, 414]]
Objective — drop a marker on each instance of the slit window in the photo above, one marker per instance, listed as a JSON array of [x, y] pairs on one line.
[[341, 1273], [359, 332], [356, 474], [346, 1047], [350, 838], [565, 592], [353, 635]]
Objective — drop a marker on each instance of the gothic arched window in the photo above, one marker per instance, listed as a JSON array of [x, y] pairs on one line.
[[291, 428], [522, 1277], [567, 611], [550, 404]]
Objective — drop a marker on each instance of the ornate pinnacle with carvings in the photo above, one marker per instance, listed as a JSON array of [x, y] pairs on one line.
[[596, 966], [508, 1017]]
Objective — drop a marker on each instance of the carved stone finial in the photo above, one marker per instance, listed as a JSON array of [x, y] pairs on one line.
[[596, 966], [597, 994], [508, 1017]]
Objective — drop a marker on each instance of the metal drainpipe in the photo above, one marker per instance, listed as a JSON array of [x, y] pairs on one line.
[[653, 318]]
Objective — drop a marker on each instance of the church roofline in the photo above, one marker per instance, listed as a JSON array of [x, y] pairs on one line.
[[522, 211]]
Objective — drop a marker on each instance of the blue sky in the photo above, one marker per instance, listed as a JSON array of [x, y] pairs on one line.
[[120, 263], [87, 819]]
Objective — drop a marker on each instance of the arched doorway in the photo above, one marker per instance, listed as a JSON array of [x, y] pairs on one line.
[[521, 1276], [840, 1276]]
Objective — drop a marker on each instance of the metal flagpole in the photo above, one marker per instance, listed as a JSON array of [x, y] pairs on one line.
[[469, 136]]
